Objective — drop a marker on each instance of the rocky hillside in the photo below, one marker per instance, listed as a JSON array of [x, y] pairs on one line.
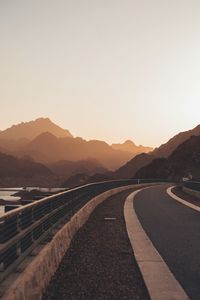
[[67, 169], [21, 172], [132, 166], [166, 149], [184, 160]]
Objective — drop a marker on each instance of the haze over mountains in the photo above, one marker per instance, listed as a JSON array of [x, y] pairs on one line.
[[30, 130], [42, 152], [72, 149], [183, 162], [22, 172], [45, 142], [166, 149], [150, 161], [42, 141], [130, 146]]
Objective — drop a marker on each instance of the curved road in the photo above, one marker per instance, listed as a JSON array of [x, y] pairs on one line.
[[174, 229]]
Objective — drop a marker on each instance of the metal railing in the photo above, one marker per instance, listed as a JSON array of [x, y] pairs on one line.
[[22, 229], [193, 185]]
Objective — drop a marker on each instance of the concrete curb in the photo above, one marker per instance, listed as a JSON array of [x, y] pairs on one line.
[[180, 200], [160, 282], [31, 284]]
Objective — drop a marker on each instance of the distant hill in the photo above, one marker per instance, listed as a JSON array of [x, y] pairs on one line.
[[81, 179], [47, 143], [30, 130], [20, 172], [69, 168], [131, 147], [166, 149], [131, 167], [10, 146], [76, 180], [48, 149], [185, 159]]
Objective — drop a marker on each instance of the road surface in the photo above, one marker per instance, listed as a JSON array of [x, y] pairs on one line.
[[174, 230]]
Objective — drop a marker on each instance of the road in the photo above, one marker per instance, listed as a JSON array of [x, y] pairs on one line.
[[174, 230]]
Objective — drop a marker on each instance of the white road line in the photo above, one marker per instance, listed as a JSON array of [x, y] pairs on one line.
[[160, 282], [171, 194]]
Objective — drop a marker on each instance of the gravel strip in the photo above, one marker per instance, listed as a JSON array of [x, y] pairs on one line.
[[100, 263], [183, 195]]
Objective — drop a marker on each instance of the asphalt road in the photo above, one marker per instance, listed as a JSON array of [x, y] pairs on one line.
[[174, 230]]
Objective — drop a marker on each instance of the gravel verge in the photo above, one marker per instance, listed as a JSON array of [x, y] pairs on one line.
[[100, 264]]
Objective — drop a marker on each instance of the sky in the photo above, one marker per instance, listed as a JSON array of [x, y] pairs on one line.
[[110, 69]]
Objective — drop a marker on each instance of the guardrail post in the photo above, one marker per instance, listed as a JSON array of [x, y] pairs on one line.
[[18, 223], [1, 266], [18, 252]]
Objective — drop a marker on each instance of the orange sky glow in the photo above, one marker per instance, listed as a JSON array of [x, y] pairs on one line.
[[110, 70]]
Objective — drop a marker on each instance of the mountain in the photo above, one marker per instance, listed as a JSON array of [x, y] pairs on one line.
[[10, 146], [184, 160], [20, 172], [43, 141], [131, 167], [166, 149], [30, 130], [135, 164], [75, 180], [81, 179], [130, 146], [69, 168], [48, 149]]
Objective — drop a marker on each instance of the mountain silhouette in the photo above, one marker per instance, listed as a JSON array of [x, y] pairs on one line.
[[47, 143], [183, 161], [19, 172], [30, 130], [130, 146], [131, 167], [67, 169], [166, 149], [48, 149]]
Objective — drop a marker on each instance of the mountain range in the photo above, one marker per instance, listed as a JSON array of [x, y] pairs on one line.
[[184, 161], [131, 168], [47, 148], [41, 151], [42, 141], [131, 147], [30, 130], [22, 172]]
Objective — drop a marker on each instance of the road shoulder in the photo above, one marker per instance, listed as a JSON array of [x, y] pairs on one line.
[[159, 280]]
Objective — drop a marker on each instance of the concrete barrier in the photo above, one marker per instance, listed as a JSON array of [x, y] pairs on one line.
[[191, 192], [31, 283]]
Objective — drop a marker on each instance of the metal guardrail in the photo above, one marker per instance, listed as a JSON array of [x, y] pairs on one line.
[[22, 229], [193, 185]]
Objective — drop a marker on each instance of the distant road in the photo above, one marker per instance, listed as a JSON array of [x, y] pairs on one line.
[[174, 230]]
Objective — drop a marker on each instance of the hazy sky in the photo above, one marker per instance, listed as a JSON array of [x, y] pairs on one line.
[[105, 69]]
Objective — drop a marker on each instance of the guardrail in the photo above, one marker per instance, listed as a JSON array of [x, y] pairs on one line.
[[193, 185], [22, 229]]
